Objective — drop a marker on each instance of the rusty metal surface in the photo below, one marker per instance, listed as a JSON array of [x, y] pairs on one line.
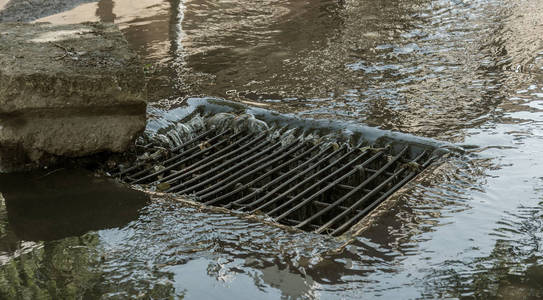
[[308, 184]]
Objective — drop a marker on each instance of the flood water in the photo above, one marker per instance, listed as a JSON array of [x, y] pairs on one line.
[[467, 72]]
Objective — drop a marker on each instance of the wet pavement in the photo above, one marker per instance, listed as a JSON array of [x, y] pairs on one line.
[[468, 72]]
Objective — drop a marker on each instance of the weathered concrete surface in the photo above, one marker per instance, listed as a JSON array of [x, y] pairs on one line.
[[69, 90]]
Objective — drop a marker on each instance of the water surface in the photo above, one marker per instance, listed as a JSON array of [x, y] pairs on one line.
[[469, 72]]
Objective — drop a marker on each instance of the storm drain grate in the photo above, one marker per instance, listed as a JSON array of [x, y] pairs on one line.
[[312, 185]]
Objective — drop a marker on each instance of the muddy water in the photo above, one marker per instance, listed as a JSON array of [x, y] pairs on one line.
[[469, 72]]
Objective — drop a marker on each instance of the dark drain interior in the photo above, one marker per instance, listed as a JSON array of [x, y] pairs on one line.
[[314, 185]]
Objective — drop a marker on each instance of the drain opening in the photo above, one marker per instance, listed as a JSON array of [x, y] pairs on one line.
[[309, 184]]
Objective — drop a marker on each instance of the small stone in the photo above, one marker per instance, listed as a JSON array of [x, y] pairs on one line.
[[162, 186], [204, 145]]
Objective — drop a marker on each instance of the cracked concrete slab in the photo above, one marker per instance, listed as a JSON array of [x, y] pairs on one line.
[[66, 90]]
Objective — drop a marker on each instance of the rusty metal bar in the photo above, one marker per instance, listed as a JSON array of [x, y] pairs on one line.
[[369, 195], [299, 195], [193, 140], [271, 193], [189, 170], [321, 191], [223, 165], [282, 177], [372, 205], [180, 162], [269, 173], [250, 169], [358, 188], [173, 150], [234, 167]]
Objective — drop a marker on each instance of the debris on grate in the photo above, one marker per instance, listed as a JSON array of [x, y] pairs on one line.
[[310, 182]]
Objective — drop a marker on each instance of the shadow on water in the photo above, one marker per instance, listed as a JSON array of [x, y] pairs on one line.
[[45, 217], [45, 206]]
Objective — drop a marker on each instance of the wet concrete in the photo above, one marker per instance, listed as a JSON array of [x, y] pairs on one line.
[[467, 72], [66, 90]]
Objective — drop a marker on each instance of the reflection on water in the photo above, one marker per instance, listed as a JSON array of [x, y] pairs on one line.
[[414, 66], [463, 71], [512, 270], [146, 24], [3, 3], [173, 250], [45, 206], [45, 251], [25, 11]]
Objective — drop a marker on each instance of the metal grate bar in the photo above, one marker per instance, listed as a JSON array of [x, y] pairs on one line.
[[333, 174], [227, 164], [328, 187], [138, 165], [367, 196], [199, 146], [134, 177], [267, 174], [293, 172], [184, 160], [372, 205], [194, 140], [356, 189], [261, 156], [187, 171], [295, 222], [250, 169], [324, 188], [300, 184], [325, 205]]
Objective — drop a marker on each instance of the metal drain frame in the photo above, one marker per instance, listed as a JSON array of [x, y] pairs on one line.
[[314, 186], [311, 186]]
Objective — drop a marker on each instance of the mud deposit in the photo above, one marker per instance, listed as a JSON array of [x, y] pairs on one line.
[[467, 72]]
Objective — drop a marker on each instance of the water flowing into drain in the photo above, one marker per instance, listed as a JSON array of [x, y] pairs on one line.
[[304, 181]]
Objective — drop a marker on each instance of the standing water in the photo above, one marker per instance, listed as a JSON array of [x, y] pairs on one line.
[[468, 72]]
